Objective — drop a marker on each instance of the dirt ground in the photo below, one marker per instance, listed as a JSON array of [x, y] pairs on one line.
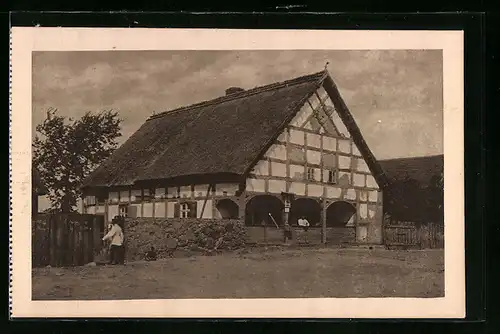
[[292, 273]]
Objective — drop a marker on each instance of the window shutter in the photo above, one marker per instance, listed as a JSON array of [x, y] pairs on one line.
[[177, 210], [192, 209]]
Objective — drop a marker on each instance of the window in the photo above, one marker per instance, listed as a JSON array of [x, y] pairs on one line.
[[310, 174], [101, 198], [185, 210], [332, 176], [123, 210], [148, 194], [90, 200]]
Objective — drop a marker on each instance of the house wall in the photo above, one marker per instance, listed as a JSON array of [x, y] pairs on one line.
[[300, 160], [142, 203]]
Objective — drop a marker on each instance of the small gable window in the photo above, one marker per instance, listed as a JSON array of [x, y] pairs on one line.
[[185, 210], [332, 176], [310, 174]]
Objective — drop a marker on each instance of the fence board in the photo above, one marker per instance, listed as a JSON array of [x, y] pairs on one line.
[[408, 234], [65, 239]]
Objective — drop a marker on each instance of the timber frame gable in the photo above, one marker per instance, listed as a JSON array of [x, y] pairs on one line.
[[333, 120]]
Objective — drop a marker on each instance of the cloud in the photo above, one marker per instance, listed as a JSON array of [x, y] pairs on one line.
[[401, 88]]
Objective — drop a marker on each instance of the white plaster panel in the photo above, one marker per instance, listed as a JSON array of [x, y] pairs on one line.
[[282, 136], [363, 211], [314, 101], [333, 192], [344, 162], [317, 174], [355, 150], [91, 209], [350, 194], [313, 140], [361, 233], [100, 209], [325, 175], [170, 209], [370, 182], [278, 169], [362, 166], [160, 209], [256, 185], [344, 178], [298, 188], [344, 145], [329, 160], [302, 115], [112, 211], [277, 151], [297, 172], [313, 157], [276, 186], [363, 195], [373, 196], [314, 190], [339, 124], [359, 180], [297, 137], [229, 189], [322, 93], [261, 168], [207, 213], [135, 209], [148, 209], [329, 143], [371, 212]]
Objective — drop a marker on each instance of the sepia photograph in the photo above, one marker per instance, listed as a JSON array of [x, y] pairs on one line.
[[237, 174]]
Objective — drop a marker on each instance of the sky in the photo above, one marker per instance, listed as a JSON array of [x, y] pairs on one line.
[[396, 97]]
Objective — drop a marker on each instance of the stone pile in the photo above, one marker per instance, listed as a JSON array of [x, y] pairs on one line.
[[176, 237]]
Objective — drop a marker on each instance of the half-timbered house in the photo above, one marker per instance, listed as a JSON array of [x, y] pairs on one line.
[[265, 155]]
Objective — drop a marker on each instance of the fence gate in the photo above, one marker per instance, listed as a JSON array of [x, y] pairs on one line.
[[401, 236], [66, 239]]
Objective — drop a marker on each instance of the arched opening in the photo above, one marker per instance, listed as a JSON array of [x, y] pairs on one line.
[[308, 208], [340, 214], [258, 209], [228, 209]]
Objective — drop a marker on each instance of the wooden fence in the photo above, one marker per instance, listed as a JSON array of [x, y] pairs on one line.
[[414, 235], [64, 240]]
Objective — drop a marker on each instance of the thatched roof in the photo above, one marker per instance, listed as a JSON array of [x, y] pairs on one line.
[[36, 183], [420, 169], [221, 137]]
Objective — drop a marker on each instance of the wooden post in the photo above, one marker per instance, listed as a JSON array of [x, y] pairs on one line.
[[142, 202], [152, 193], [323, 221], [206, 199]]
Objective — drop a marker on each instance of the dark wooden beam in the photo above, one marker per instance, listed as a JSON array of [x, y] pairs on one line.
[[353, 128]]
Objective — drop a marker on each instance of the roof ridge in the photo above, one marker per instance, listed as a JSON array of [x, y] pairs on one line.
[[245, 93]]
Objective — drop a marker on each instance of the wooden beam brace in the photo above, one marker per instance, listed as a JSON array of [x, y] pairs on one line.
[[206, 199]]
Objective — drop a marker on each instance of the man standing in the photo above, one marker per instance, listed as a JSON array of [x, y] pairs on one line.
[[116, 237], [304, 223]]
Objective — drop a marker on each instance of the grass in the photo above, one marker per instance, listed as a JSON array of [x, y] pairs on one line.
[[275, 273]]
